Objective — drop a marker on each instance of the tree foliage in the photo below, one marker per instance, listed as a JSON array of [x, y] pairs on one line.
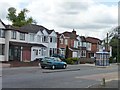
[[20, 19], [114, 43], [67, 52]]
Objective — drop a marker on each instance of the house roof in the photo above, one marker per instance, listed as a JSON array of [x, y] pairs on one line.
[[10, 27], [69, 34], [50, 31], [2, 22], [26, 44], [33, 28], [83, 39], [58, 34], [93, 40]]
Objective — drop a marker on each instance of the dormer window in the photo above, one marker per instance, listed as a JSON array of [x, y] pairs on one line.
[[45, 39], [51, 39]]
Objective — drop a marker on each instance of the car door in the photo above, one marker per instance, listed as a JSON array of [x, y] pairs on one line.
[[59, 63]]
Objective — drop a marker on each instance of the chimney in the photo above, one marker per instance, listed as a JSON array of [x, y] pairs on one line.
[[74, 32]]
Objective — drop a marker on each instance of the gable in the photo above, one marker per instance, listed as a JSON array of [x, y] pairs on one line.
[[39, 33], [45, 32], [79, 38], [53, 34], [1, 25], [62, 36]]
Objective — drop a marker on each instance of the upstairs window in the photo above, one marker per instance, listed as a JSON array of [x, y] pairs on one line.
[[13, 34], [38, 38], [45, 39], [53, 39], [22, 36], [2, 48], [66, 42], [84, 44], [61, 40], [32, 37], [2, 33]]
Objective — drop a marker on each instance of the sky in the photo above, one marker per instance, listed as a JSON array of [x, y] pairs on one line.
[[92, 18]]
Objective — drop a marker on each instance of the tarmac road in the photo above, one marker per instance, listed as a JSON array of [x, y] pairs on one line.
[[75, 76]]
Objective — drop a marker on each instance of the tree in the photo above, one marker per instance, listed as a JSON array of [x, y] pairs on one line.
[[67, 52], [20, 19], [115, 51]]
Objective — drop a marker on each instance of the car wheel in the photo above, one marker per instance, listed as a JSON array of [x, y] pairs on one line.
[[42, 67], [53, 67], [64, 66]]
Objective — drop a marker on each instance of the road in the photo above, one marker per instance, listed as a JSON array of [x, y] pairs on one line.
[[75, 76]]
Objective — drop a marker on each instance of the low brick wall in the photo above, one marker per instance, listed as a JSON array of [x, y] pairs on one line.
[[86, 60], [20, 64]]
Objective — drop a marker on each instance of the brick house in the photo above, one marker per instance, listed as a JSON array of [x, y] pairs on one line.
[[65, 39], [93, 46], [75, 43]]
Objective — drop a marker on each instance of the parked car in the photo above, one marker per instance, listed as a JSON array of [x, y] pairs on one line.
[[62, 57], [52, 62]]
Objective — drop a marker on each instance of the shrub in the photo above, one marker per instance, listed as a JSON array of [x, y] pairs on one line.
[[72, 60], [110, 59]]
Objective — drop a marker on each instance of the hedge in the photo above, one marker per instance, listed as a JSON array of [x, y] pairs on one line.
[[72, 60]]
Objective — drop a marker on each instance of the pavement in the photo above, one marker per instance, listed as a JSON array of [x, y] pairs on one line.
[[4, 65], [110, 84]]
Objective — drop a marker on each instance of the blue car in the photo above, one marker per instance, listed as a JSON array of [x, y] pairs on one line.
[[52, 62]]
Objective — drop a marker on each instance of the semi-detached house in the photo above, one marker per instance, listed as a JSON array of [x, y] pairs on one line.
[[2, 40], [75, 43], [26, 43]]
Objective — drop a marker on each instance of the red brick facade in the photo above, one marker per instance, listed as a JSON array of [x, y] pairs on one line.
[[95, 42]]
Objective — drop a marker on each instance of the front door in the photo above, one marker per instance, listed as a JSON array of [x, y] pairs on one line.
[[15, 53]]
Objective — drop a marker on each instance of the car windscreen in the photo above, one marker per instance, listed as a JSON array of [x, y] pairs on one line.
[[57, 59]]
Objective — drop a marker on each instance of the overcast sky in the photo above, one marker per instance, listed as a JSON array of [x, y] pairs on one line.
[[88, 17]]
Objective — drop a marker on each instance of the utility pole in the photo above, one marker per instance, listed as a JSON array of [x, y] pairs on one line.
[[107, 43]]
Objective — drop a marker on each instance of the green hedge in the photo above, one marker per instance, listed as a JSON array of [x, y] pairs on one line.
[[72, 60], [112, 60]]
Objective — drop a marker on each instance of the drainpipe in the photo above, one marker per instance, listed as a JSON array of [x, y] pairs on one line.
[[107, 43]]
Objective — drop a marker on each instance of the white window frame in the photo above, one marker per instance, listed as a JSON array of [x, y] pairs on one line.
[[61, 40], [83, 53], [13, 34], [22, 36], [2, 33], [66, 41], [38, 38], [45, 39], [31, 37]]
